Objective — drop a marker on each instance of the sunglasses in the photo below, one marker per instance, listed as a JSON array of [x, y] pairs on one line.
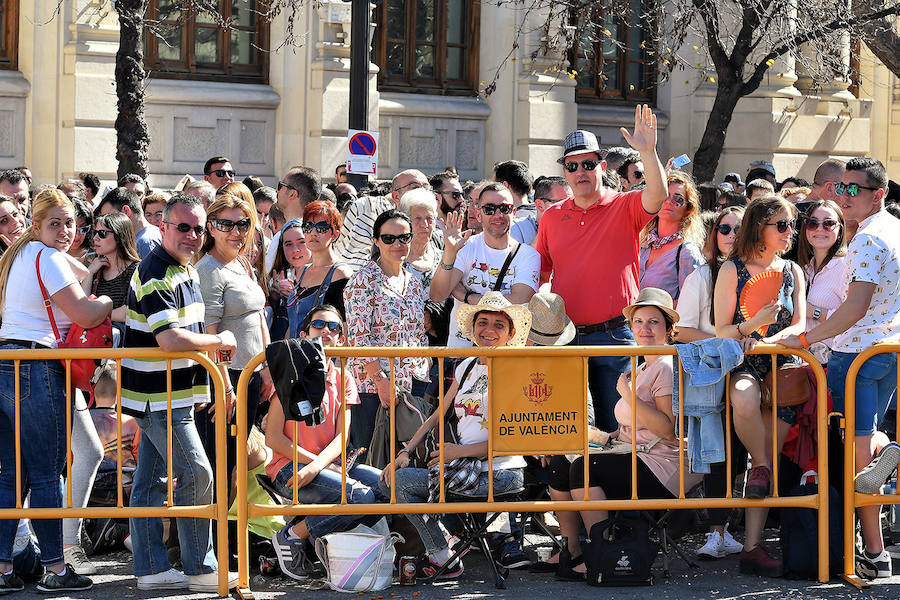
[[827, 224], [782, 225], [103, 233], [638, 175], [490, 209], [676, 200], [727, 229], [84, 229], [227, 225], [388, 239], [185, 228], [456, 195], [587, 165], [322, 324], [320, 227], [550, 200], [282, 184], [223, 173], [851, 189]]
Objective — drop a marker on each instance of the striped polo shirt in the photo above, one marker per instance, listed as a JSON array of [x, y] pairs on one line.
[[163, 294]]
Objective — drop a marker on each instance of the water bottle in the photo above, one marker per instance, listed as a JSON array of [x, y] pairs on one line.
[[895, 509]]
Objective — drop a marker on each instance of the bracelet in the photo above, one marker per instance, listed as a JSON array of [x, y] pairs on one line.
[[803, 342], [740, 333], [229, 391], [403, 450], [446, 267]]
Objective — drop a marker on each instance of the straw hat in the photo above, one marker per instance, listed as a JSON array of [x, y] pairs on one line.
[[549, 324], [495, 302], [653, 297]]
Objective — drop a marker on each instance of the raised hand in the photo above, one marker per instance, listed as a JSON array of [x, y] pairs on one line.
[[454, 236], [644, 137]]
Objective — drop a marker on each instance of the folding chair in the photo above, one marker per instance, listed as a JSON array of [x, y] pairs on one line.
[[665, 524]]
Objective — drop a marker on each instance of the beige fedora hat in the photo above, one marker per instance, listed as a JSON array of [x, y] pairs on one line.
[[653, 297], [550, 326]]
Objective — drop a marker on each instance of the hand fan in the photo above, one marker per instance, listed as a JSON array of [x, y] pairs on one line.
[[760, 290]]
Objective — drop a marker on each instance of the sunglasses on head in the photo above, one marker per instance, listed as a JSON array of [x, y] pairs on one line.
[[223, 173], [102, 233], [227, 225], [490, 209], [322, 324], [84, 229], [320, 227], [389, 239], [587, 164], [455, 194], [185, 228], [782, 225], [726, 229], [677, 200], [827, 224], [851, 189]]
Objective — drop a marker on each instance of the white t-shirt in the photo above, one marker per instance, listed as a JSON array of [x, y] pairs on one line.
[[480, 266], [24, 316], [271, 251], [694, 301]]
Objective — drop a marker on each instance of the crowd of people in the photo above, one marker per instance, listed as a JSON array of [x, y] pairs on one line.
[[617, 250]]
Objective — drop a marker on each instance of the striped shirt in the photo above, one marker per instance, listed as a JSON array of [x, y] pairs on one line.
[[355, 244], [164, 294]]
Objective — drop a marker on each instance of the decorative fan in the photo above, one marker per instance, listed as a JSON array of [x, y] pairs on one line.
[[760, 290]]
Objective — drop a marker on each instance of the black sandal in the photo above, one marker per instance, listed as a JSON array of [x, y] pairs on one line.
[[565, 569]]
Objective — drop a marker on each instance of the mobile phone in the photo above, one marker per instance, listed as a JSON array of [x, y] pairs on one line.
[[680, 161]]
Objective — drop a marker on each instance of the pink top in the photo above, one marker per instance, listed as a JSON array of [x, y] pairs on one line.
[[826, 289]]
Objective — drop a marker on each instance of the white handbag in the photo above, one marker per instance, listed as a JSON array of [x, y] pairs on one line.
[[359, 560]]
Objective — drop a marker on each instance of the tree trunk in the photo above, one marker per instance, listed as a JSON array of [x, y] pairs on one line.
[[132, 136], [706, 159], [884, 43]]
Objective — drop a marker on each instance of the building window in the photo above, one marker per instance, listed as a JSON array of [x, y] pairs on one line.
[[612, 55], [9, 34], [427, 46], [185, 43]]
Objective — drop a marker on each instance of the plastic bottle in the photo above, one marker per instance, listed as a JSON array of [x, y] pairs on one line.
[[895, 509]]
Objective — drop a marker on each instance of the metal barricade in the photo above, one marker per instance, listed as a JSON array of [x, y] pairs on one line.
[[216, 511], [818, 502], [853, 500]]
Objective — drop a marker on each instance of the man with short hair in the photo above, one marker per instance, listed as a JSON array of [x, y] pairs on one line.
[[15, 185], [340, 173], [593, 238], [92, 185], [828, 174], [299, 187], [448, 192], [735, 180], [758, 187], [218, 171], [165, 310], [26, 172], [73, 189], [473, 213], [870, 314], [203, 190], [264, 198], [146, 235], [616, 156], [631, 172], [514, 174], [762, 169], [134, 183]]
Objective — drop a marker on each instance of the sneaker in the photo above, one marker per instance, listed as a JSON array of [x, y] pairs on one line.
[[731, 545], [876, 567], [68, 581], [10, 583], [426, 568], [760, 562], [209, 582], [165, 580], [759, 482], [291, 555], [75, 556], [712, 549], [876, 473], [511, 555]]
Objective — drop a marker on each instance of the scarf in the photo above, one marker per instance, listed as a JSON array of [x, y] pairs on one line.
[[655, 242]]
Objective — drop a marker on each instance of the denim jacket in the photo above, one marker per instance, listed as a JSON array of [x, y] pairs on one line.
[[705, 364]]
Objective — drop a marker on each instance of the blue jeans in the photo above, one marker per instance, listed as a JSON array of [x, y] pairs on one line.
[[604, 371], [875, 383], [42, 419], [195, 486], [325, 488]]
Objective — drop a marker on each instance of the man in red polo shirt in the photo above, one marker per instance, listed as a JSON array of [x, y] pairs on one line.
[[589, 244]]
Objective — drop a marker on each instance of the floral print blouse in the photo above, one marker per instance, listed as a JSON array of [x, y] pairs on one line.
[[378, 314]]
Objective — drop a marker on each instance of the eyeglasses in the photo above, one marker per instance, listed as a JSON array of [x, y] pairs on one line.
[[223, 173], [102, 233], [417, 184], [851, 189], [726, 229], [282, 184], [84, 229], [490, 209], [227, 225], [587, 164], [637, 175], [781, 225], [550, 200], [185, 228], [403, 238], [676, 200], [455, 194], [322, 324], [827, 224], [320, 227]]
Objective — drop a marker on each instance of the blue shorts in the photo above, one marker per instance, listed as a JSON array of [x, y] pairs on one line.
[[875, 384]]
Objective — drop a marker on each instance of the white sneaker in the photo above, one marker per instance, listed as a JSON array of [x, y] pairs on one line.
[[75, 556], [731, 545], [209, 582], [167, 580], [712, 549]]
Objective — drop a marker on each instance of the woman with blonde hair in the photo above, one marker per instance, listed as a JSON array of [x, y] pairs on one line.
[[39, 256], [671, 241]]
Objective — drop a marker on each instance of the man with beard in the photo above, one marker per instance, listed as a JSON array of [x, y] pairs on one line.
[[448, 193]]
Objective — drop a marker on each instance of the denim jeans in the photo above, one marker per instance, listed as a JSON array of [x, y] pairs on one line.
[[195, 486], [412, 487], [875, 383], [42, 422], [325, 488], [604, 371]]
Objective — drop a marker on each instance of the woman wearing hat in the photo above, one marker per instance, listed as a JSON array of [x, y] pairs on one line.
[[491, 323]]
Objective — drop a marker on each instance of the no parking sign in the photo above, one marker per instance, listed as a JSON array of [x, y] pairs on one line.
[[362, 152]]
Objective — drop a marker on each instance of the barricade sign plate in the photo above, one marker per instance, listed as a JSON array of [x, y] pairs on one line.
[[538, 405], [362, 152]]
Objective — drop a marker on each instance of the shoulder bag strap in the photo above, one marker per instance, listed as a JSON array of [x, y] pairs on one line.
[[37, 266], [323, 287], [509, 258], [678, 271]]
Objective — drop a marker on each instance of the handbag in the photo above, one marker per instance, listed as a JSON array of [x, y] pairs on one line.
[[409, 414], [620, 552], [359, 560], [794, 388], [99, 336]]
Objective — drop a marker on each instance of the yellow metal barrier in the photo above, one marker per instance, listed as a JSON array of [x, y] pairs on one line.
[[218, 511], [818, 502], [852, 499]]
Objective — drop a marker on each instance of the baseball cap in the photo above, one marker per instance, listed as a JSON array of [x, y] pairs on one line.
[[734, 178], [762, 165], [579, 142]]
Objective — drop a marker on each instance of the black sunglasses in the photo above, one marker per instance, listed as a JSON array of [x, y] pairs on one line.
[[227, 225], [185, 228], [403, 238], [588, 165], [851, 189], [725, 229], [320, 227], [827, 224], [455, 194], [84, 229], [103, 233], [638, 175], [490, 209], [282, 184], [322, 324], [223, 173], [550, 200], [782, 225]]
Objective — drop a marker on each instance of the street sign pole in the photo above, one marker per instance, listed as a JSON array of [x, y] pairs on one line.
[[359, 75]]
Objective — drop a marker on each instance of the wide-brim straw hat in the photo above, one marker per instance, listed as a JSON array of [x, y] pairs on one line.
[[653, 297], [495, 302], [550, 326]]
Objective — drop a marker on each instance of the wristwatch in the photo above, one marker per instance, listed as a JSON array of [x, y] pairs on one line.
[[816, 314], [446, 267]]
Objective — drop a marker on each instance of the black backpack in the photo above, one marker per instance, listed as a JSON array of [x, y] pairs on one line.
[[800, 535], [620, 552]]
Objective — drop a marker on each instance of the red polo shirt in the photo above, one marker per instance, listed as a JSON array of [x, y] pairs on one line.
[[593, 254]]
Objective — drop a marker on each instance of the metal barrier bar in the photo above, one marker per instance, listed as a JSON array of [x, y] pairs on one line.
[[68, 502]]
